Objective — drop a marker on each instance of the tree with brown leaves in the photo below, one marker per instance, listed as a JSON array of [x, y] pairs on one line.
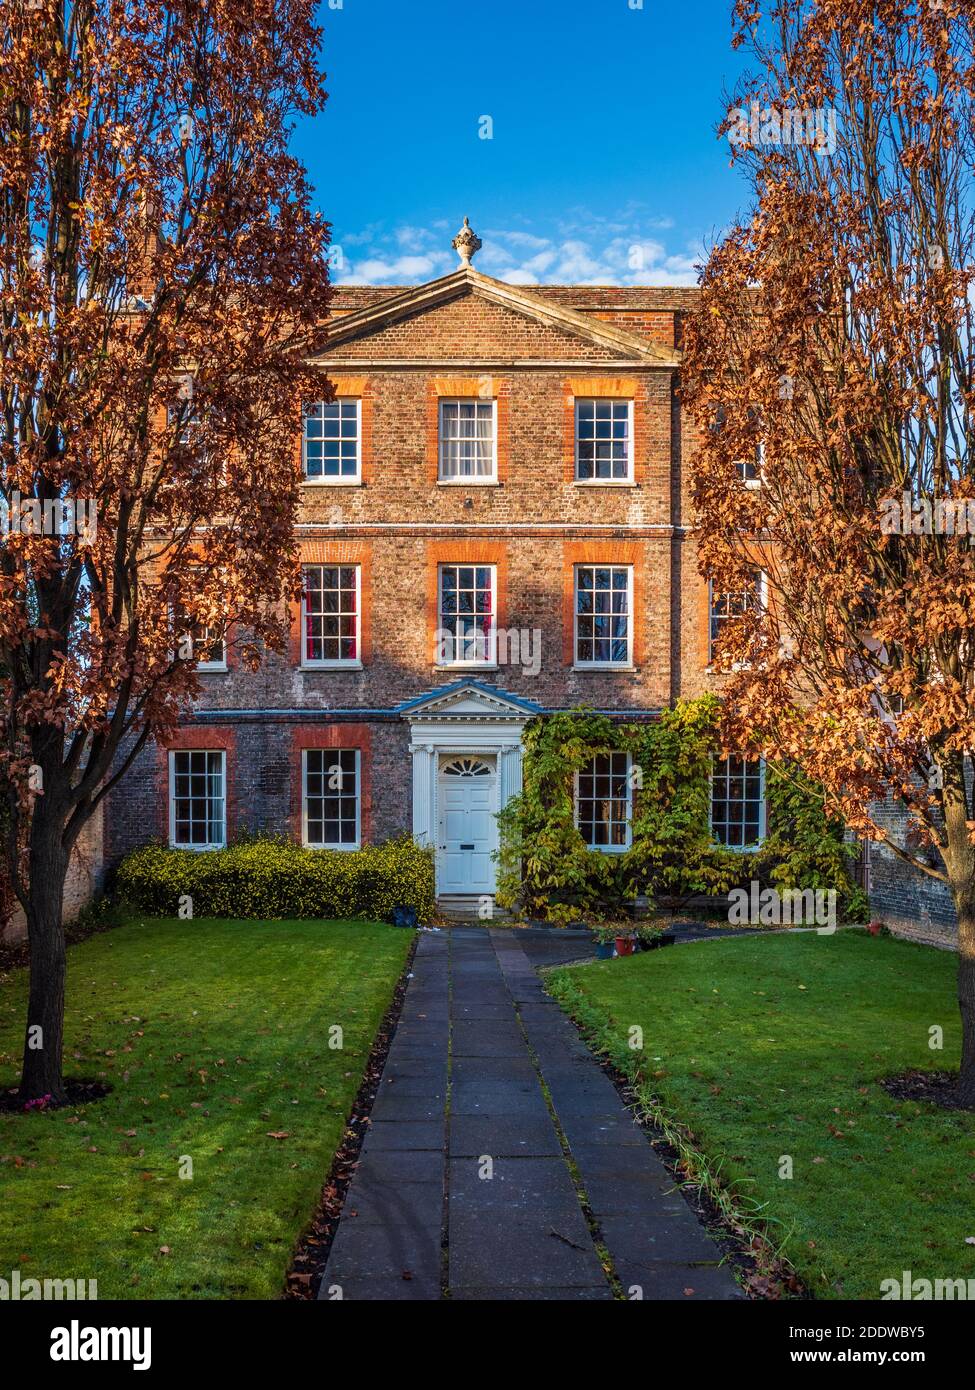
[[162, 280], [834, 341]]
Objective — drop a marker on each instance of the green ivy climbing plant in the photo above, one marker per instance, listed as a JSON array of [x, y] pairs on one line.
[[546, 870]]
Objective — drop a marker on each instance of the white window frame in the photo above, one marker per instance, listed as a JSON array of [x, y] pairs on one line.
[[628, 664], [606, 482], [348, 480], [491, 661], [485, 480], [179, 636], [333, 663], [759, 463], [214, 667], [628, 842], [173, 754], [307, 844], [762, 810], [762, 603]]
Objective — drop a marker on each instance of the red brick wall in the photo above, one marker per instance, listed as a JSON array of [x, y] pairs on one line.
[[534, 523]]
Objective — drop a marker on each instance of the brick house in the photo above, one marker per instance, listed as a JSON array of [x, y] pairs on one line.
[[495, 523]]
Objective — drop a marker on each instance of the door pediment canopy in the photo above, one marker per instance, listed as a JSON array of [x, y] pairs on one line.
[[469, 701]]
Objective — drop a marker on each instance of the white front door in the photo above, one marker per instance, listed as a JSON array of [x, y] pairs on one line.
[[468, 830]]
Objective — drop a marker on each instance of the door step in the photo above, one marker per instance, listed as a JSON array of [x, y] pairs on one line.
[[459, 907]]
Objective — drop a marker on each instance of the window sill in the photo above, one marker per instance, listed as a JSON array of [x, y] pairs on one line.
[[211, 670], [601, 666], [330, 666], [343, 849], [604, 482], [465, 666], [609, 849], [196, 849], [331, 482], [468, 482]]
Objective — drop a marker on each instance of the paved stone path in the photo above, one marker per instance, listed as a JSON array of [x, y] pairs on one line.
[[486, 1075]]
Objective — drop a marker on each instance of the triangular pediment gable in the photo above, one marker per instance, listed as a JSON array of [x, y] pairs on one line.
[[468, 700], [606, 339]]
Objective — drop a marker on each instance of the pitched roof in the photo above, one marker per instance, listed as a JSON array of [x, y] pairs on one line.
[[380, 308]]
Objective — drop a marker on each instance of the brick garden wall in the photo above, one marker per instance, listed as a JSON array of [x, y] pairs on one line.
[[84, 880], [908, 901]]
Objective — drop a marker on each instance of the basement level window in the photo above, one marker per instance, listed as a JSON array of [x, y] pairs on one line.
[[738, 802], [604, 802], [197, 798]]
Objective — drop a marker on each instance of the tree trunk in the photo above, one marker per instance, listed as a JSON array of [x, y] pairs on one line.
[[965, 905], [44, 1039], [959, 857]]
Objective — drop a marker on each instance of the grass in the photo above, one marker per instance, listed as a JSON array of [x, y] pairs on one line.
[[214, 1036], [772, 1046]]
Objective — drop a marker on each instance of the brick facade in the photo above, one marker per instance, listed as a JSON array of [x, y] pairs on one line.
[[534, 352]]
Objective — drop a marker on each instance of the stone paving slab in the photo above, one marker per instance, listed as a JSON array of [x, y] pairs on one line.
[[383, 1290], [376, 1251], [485, 1066], [404, 1134], [498, 1137], [399, 1167], [600, 1293], [418, 1204], [502, 1251]]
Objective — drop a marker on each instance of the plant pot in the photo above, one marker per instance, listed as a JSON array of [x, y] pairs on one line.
[[604, 950], [624, 945]]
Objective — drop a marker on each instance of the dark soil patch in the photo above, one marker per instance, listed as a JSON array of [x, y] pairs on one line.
[[311, 1253], [78, 1091], [933, 1087]]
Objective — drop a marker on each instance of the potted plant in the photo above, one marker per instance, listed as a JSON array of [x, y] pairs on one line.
[[625, 939], [651, 936], [604, 934]]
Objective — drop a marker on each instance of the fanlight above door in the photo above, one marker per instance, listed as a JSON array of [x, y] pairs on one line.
[[467, 767]]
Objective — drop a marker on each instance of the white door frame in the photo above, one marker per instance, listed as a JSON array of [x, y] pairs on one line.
[[443, 758], [485, 727]]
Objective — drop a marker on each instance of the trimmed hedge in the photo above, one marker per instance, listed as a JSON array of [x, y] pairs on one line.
[[274, 879]]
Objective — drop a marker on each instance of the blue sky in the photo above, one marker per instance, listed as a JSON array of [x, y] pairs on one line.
[[603, 137]]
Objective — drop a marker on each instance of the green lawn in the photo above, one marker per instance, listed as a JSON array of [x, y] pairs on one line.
[[772, 1046], [213, 1035]]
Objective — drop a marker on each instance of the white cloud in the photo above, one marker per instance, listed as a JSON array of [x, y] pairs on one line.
[[581, 250]]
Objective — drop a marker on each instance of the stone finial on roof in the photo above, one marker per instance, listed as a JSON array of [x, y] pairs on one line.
[[466, 243]]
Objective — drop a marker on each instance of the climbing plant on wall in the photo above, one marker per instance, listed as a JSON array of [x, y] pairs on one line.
[[546, 870], [805, 847]]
